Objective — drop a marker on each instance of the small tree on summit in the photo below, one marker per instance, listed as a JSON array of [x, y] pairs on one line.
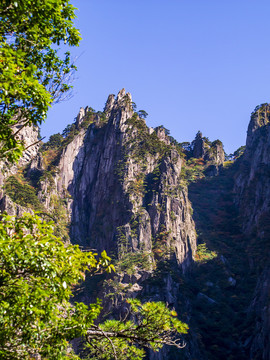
[[142, 114]]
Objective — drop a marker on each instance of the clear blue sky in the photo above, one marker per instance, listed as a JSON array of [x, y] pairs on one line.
[[191, 64]]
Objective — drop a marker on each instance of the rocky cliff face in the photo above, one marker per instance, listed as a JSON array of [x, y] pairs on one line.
[[128, 196], [252, 182], [121, 183], [125, 181], [252, 188], [120, 187], [113, 183]]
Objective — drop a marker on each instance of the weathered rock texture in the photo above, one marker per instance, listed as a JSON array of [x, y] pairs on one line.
[[121, 183], [212, 152], [252, 188], [125, 184], [118, 185], [127, 197], [252, 183]]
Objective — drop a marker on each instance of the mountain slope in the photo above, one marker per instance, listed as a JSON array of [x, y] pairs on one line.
[[180, 226]]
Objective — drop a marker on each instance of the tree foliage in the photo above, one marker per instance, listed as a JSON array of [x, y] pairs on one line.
[[142, 114], [36, 279], [152, 326], [55, 141], [32, 74], [37, 276], [203, 254], [22, 194]]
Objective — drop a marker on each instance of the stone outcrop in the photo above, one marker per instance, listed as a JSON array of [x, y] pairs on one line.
[[80, 116], [211, 152], [119, 185], [6, 204], [29, 135], [199, 146]]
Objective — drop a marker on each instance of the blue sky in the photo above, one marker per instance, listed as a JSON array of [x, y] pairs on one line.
[[191, 64]]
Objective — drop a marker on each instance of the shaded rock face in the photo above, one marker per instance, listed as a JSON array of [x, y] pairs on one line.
[[252, 189], [252, 182], [258, 344]]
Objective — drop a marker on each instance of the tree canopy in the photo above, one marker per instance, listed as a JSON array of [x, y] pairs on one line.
[[32, 74], [153, 325], [38, 274]]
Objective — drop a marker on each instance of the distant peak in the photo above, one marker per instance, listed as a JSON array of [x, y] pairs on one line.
[[121, 94], [109, 103]]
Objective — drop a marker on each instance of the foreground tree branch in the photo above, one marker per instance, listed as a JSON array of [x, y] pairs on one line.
[[153, 325], [38, 275]]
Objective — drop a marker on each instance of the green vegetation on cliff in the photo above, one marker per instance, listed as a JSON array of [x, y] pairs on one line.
[[22, 193], [141, 142]]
